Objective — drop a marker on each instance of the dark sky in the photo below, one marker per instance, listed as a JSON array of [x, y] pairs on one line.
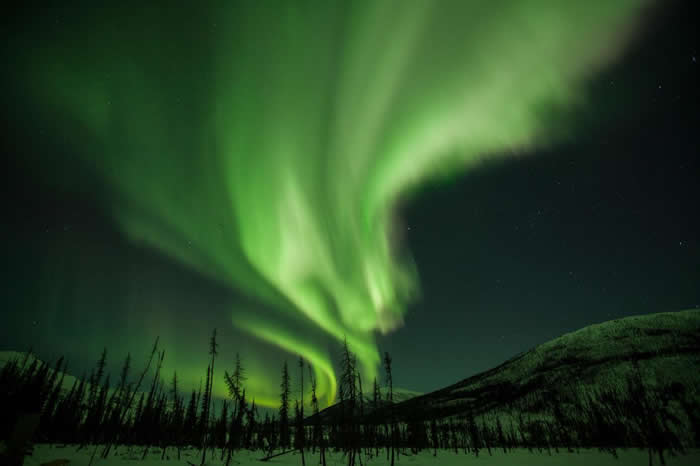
[[511, 254], [603, 227]]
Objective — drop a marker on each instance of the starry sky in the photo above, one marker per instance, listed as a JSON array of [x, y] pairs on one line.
[[453, 182]]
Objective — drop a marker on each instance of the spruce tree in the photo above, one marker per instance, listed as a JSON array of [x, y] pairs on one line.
[[48, 387], [284, 408], [376, 397], [221, 427], [348, 399], [318, 435], [251, 422], [130, 397], [96, 378], [238, 376], [77, 409], [234, 383], [300, 425], [213, 352], [100, 408], [52, 406], [191, 418], [361, 399], [176, 419], [204, 416], [390, 394], [138, 413], [60, 418]]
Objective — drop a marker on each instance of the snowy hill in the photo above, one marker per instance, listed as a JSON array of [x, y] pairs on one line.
[[28, 358], [68, 379], [399, 394], [664, 348]]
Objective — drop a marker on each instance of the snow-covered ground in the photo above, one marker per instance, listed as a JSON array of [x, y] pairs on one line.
[[48, 453]]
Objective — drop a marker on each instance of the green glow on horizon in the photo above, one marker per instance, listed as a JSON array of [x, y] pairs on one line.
[[267, 148]]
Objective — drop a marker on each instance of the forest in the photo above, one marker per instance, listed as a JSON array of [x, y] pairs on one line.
[[141, 410]]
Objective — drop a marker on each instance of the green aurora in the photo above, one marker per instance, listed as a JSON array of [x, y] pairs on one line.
[[268, 145]]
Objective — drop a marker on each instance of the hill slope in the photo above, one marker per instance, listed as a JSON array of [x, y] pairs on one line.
[[663, 349]]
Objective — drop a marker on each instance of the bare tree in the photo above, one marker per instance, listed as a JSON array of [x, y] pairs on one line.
[[390, 394], [213, 352]]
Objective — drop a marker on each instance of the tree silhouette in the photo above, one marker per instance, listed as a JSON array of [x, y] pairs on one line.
[[390, 394], [299, 436], [213, 352], [284, 408]]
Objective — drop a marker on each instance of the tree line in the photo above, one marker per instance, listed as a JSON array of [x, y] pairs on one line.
[[146, 412]]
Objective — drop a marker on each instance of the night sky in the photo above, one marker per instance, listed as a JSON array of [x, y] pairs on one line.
[[452, 182]]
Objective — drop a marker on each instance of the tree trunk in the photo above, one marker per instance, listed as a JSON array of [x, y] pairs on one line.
[[276, 455]]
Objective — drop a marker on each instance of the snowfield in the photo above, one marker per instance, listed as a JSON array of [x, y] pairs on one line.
[[44, 453]]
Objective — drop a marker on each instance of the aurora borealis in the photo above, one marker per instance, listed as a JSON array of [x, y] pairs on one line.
[[258, 153]]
